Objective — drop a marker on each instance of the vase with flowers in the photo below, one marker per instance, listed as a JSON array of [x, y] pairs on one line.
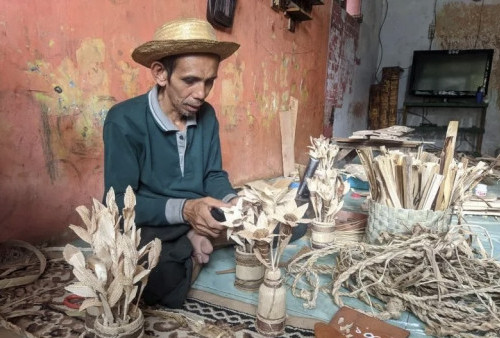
[[263, 222], [113, 277]]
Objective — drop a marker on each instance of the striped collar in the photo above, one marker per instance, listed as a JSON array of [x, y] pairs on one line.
[[160, 117]]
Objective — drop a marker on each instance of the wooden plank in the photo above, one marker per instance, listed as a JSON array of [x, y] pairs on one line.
[[431, 195], [294, 108], [447, 156], [407, 183], [288, 121]]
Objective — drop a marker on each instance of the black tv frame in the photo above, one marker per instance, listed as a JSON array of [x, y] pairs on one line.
[[442, 93]]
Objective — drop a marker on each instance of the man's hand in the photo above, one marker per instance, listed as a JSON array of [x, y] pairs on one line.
[[196, 212], [234, 200]]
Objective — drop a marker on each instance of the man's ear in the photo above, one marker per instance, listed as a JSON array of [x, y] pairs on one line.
[[159, 73]]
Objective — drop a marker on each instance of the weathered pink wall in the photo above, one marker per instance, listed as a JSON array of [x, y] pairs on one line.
[[342, 60], [63, 64]]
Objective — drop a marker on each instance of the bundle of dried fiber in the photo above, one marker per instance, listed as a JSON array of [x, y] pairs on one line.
[[448, 281], [350, 226]]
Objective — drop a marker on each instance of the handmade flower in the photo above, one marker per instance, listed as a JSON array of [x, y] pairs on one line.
[[118, 271]]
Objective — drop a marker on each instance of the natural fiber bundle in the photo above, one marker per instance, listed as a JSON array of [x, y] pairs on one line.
[[16, 260], [448, 280], [417, 180], [117, 272]]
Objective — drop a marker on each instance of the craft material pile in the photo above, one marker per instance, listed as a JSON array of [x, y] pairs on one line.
[[419, 181], [447, 280]]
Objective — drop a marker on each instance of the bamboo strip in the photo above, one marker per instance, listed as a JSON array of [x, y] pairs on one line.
[[447, 155]]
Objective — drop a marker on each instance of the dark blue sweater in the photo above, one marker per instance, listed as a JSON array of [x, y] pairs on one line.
[[137, 152]]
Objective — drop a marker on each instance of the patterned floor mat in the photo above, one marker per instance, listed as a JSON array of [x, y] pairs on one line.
[[38, 309]]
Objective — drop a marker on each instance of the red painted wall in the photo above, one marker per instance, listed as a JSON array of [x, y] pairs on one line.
[[342, 60], [63, 64]]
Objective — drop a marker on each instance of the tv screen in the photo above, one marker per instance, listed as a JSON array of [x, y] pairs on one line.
[[450, 73]]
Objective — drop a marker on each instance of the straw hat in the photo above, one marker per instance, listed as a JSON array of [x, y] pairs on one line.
[[183, 36]]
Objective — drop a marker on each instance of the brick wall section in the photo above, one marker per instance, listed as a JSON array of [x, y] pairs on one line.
[[342, 48]]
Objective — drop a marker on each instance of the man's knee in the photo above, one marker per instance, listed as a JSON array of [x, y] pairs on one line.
[[168, 284]]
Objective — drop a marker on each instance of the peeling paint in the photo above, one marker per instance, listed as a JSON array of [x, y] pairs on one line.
[[232, 91], [75, 93], [129, 77]]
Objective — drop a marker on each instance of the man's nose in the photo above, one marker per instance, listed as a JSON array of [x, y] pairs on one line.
[[201, 91]]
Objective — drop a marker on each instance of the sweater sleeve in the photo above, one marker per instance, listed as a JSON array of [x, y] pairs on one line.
[[122, 168], [216, 180]]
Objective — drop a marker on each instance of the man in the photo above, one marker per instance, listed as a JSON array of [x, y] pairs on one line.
[[165, 145]]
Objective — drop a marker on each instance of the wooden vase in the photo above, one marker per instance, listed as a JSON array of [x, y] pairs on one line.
[[249, 271], [134, 329], [322, 234], [271, 308]]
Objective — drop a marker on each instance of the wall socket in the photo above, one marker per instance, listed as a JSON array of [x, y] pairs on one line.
[[432, 31]]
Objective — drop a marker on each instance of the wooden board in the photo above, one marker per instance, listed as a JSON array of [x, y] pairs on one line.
[[447, 155], [288, 121]]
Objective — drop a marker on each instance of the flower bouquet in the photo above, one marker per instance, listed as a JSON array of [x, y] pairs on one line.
[[327, 190], [112, 279], [252, 224]]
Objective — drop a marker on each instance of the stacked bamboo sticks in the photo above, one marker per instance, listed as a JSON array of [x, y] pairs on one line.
[[421, 181], [415, 181]]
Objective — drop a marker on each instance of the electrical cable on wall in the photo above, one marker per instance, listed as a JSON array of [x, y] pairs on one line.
[[380, 40], [479, 24]]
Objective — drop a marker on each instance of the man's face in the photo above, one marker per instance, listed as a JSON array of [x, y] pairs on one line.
[[190, 83]]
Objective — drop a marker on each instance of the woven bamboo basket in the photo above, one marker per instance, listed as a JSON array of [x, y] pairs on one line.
[[134, 329], [249, 271], [382, 218], [322, 234]]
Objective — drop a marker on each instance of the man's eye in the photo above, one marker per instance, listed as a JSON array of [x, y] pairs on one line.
[[189, 81]]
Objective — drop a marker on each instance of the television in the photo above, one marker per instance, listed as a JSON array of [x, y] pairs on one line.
[[450, 73]]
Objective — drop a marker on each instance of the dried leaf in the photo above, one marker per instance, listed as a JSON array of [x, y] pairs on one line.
[[133, 293], [82, 233], [106, 229], [74, 256], [86, 277], [138, 277], [93, 302], [81, 290], [115, 290], [154, 253], [84, 213]]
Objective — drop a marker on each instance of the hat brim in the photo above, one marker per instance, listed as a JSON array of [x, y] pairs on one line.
[[156, 50]]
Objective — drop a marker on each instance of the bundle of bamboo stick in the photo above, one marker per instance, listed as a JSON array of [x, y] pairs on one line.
[[422, 181], [419, 180]]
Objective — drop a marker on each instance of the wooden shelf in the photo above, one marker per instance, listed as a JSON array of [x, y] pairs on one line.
[[298, 14], [452, 104], [433, 128], [477, 130]]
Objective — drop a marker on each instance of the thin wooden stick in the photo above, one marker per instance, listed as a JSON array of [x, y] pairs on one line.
[[447, 155]]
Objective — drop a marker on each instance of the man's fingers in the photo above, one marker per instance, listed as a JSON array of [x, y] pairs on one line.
[[207, 231]]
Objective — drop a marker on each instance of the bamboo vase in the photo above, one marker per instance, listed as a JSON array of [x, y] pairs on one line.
[[322, 234], [249, 271], [271, 307], [134, 329]]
